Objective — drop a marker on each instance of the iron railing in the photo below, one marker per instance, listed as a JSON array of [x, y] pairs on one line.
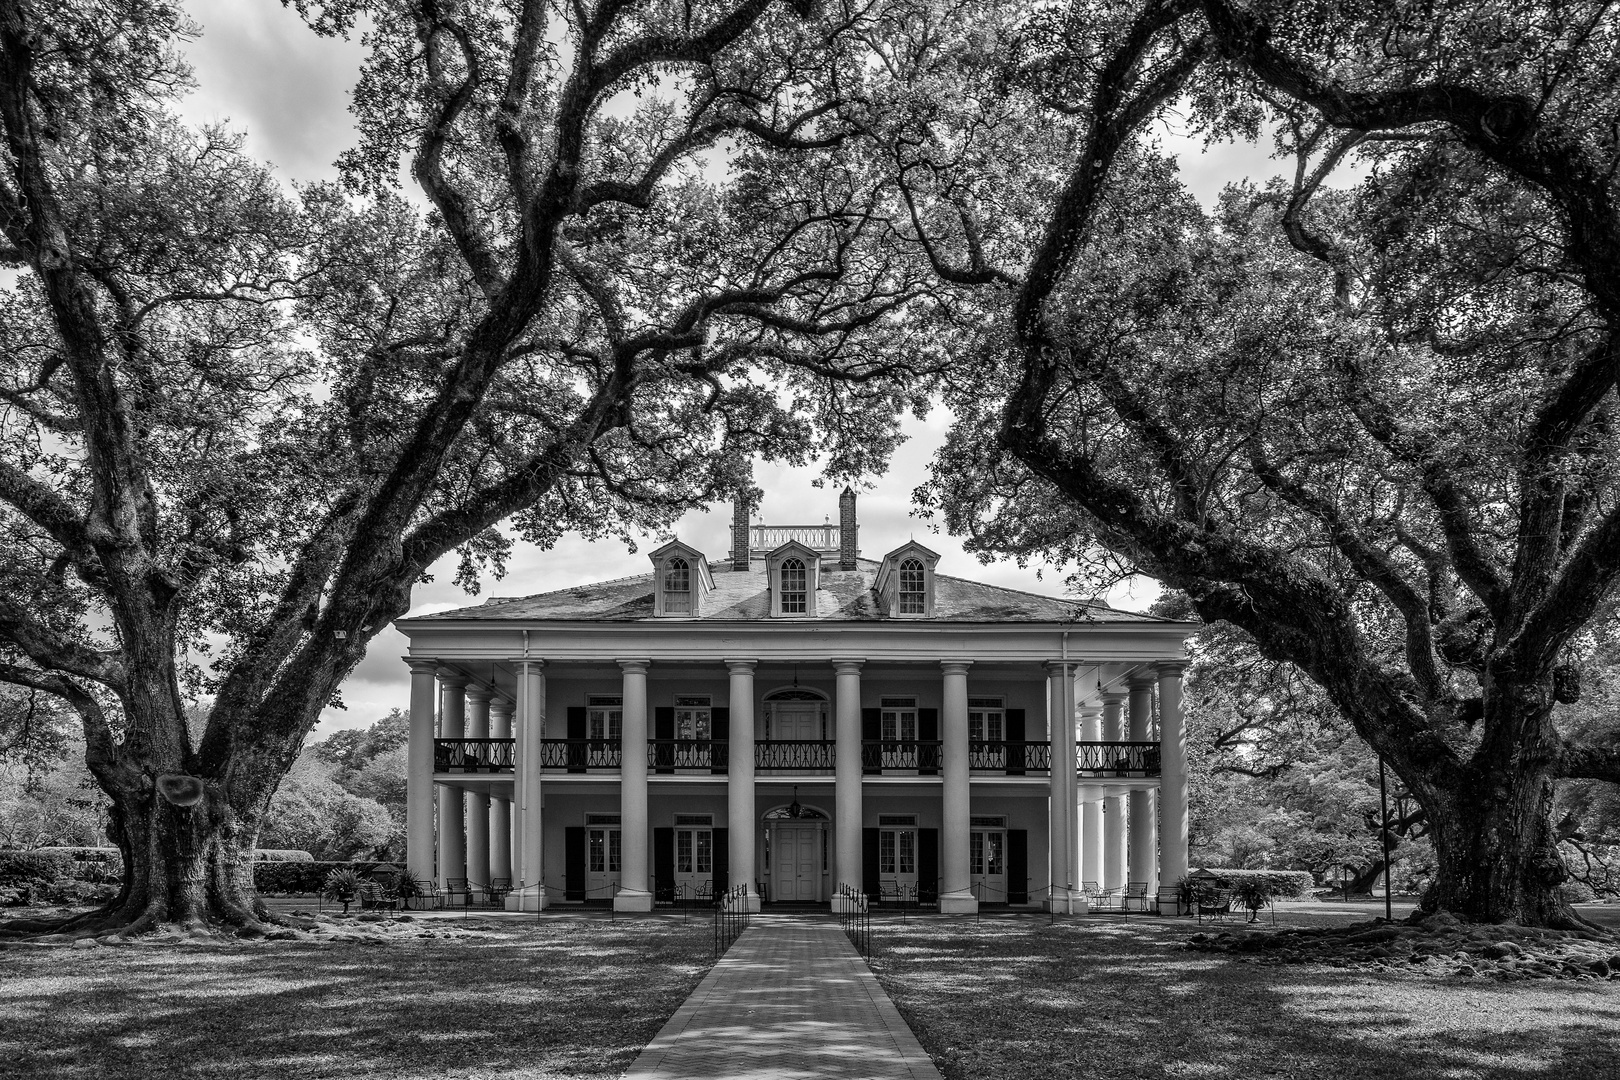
[[666, 755], [856, 916], [1011, 757], [787, 755], [472, 755], [580, 755], [920, 755], [730, 918], [1117, 757]]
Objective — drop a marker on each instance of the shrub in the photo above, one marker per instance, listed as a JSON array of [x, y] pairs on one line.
[[308, 878], [281, 855], [1280, 884], [20, 868], [95, 864]]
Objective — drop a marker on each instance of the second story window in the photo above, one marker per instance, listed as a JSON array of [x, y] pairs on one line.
[[794, 596], [694, 718], [913, 588], [677, 587], [604, 718]]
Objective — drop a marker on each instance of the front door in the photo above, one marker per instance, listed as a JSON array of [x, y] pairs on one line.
[[897, 863], [796, 863], [987, 864], [797, 721], [601, 862]]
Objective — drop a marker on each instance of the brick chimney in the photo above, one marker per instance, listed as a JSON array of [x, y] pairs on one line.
[[739, 526], [847, 547]]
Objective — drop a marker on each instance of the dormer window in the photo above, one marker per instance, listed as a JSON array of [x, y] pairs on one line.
[[913, 588], [793, 587], [905, 582], [677, 587], [681, 580], [793, 570]]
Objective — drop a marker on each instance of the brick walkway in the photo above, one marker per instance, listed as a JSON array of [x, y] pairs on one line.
[[792, 999]]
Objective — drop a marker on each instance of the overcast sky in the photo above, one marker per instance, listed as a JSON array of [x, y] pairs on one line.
[[261, 71]]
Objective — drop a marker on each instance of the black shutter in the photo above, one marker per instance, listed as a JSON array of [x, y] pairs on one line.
[[577, 752], [869, 864], [1017, 866], [574, 863], [928, 732], [722, 863], [928, 865], [664, 866], [664, 729], [871, 732], [721, 731], [1016, 752]]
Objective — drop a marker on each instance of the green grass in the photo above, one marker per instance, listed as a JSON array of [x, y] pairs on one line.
[[576, 998], [1021, 1000]]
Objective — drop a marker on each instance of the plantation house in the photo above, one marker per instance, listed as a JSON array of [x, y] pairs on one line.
[[796, 719]]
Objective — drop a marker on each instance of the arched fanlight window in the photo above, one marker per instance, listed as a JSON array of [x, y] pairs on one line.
[[794, 597], [913, 588], [677, 586]]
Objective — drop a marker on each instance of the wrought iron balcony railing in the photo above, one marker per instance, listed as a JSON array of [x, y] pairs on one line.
[[472, 755], [902, 755], [787, 755], [1117, 757], [1012, 758], [580, 755], [667, 755]]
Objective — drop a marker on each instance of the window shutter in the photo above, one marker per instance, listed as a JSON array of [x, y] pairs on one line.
[[721, 730], [871, 731], [928, 866], [664, 866], [869, 864], [928, 731], [574, 863], [577, 755], [664, 728], [1016, 752], [1017, 866], [722, 863]]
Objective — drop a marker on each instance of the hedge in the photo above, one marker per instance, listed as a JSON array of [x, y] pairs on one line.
[[281, 855], [1282, 884], [285, 878], [21, 867]]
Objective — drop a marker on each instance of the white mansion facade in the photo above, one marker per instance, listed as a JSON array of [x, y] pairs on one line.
[[796, 719]]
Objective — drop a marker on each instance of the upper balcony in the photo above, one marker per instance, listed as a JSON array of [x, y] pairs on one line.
[[910, 757]]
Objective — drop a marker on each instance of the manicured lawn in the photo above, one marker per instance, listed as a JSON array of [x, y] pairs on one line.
[[565, 998], [1100, 1000]]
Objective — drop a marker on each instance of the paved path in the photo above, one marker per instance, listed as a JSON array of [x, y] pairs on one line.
[[792, 999]]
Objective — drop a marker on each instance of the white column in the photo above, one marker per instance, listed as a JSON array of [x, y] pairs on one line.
[[1144, 846], [847, 776], [1113, 727], [634, 883], [740, 779], [1172, 785], [419, 772], [500, 810], [1065, 825], [477, 803], [1091, 811], [529, 842], [452, 817], [955, 891]]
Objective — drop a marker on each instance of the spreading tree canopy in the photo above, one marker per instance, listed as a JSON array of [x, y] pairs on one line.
[[1366, 416], [238, 423]]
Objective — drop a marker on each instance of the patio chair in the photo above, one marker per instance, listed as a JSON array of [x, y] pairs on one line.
[[497, 889], [1135, 893], [1212, 904], [1094, 893], [458, 886], [378, 896]]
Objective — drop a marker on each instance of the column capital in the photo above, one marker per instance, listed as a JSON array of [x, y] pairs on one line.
[[1172, 668], [419, 666], [1060, 667], [453, 681], [476, 692], [499, 704], [955, 667], [1113, 697], [1142, 680], [635, 666], [848, 667], [528, 661], [739, 667], [1089, 710]]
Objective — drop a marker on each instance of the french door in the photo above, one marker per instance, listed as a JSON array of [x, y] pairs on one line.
[[897, 862], [987, 864], [795, 854], [694, 860], [602, 852]]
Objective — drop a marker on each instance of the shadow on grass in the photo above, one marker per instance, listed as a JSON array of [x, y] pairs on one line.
[[554, 1000], [1104, 1001]]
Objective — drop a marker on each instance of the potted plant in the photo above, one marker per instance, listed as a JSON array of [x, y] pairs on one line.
[[1254, 894], [341, 885]]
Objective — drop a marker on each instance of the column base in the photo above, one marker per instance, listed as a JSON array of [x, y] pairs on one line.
[[751, 902], [961, 903], [1170, 900], [630, 900], [529, 898], [1074, 903], [842, 904]]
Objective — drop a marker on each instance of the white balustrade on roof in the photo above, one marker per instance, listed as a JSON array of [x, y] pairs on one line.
[[766, 538]]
